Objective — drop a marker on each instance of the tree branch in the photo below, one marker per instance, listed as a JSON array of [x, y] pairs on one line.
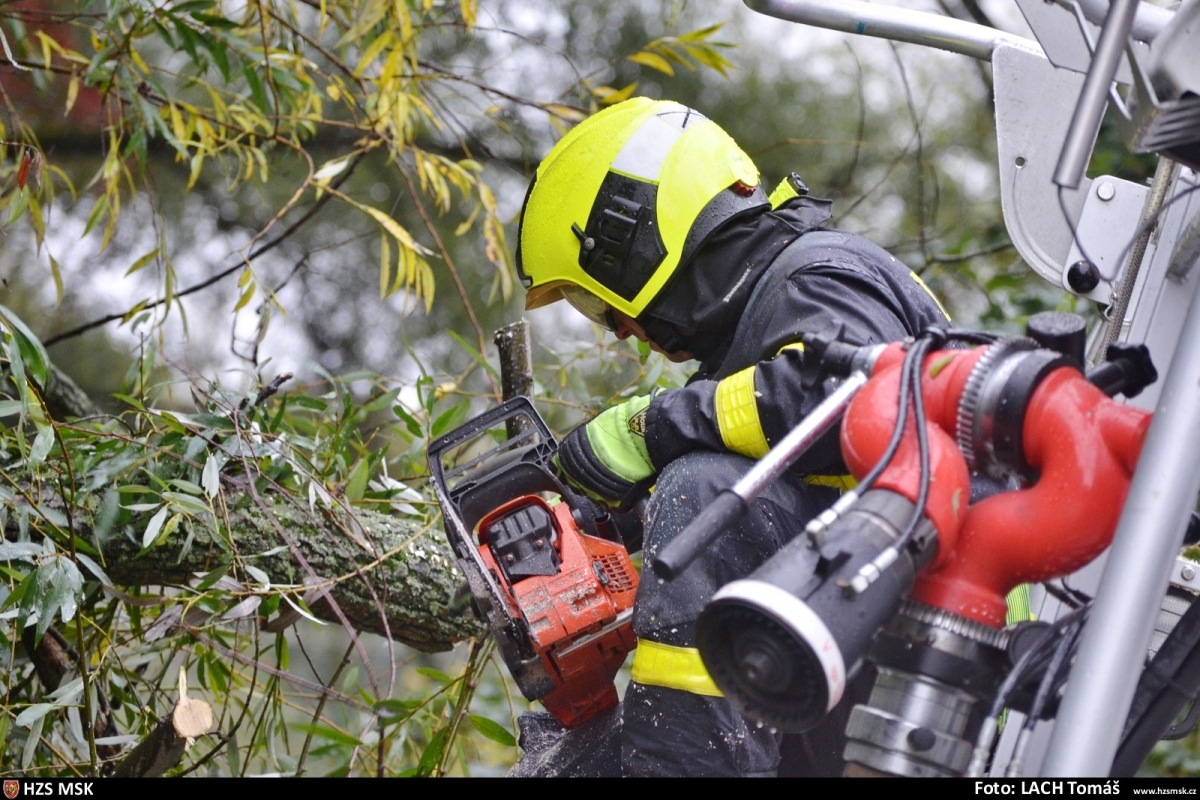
[[415, 566]]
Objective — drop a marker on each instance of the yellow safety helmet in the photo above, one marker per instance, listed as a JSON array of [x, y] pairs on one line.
[[623, 200]]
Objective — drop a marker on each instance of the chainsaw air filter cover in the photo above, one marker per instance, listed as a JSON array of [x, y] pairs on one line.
[[523, 543]]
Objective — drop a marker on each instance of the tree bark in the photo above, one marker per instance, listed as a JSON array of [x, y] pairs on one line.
[[387, 575], [64, 398], [516, 368]]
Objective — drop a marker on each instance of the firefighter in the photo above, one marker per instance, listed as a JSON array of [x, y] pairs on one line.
[[652, 222]]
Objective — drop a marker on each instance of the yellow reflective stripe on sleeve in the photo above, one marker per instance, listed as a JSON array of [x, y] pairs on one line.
[[929, 292], [737, 415], [656, 664], [843, 482], [793, 346]]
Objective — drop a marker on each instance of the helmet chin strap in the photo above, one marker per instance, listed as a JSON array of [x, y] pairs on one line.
[[667, 336]]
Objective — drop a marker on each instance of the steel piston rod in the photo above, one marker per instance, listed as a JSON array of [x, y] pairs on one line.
[[730, 503]]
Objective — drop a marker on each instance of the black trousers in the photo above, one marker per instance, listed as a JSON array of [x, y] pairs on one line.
[[672, 732]]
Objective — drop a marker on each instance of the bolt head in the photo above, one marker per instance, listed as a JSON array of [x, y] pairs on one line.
[[1106, 191], [1187, 573]]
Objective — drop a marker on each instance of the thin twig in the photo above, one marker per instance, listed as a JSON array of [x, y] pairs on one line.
[[462, 290], [321, 707], [998, 247], [204, 284]]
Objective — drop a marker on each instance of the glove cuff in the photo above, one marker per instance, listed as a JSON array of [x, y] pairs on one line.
[[581, 463]]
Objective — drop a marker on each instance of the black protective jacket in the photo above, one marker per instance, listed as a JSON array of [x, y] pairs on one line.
[[749, 295]]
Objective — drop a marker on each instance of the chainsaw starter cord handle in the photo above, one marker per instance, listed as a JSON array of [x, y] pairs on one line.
[[699, 534]]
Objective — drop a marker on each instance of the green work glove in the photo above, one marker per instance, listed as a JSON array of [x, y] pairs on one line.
[[607, 455]]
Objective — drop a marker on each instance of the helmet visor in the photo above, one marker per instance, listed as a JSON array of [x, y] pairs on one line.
[[590, 306]]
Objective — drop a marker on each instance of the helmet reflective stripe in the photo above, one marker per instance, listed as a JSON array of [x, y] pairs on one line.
[[643, 155]]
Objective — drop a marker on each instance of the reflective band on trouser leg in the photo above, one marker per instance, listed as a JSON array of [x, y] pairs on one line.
[[843, 482], [737, 415], [657, 664], [1018, 605]]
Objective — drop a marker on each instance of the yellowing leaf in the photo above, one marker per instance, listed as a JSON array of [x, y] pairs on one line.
[[610, 96], [385, 266], [391, 226], [58, 283], [329, 169], [142, 262], [569, 113], [653, 61], [72, 94], [247, 295]]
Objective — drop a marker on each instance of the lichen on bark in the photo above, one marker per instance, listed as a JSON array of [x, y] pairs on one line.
[[387, 575]]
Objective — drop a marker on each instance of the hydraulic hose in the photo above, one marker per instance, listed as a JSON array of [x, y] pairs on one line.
[[1169, 682]]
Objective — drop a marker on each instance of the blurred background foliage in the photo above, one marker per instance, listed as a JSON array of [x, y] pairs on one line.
[[200, 196]]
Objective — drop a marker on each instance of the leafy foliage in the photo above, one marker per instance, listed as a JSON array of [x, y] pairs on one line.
[[326, 125]]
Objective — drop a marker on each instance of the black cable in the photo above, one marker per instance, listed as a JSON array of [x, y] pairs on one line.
[[974, 337], [1034, 659], [897, 433], [917, 355], [1050, 680]]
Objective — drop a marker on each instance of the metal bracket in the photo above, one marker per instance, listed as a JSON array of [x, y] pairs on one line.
[[1186, 575], [1031, 117], [1108, 224], [1057, 31]]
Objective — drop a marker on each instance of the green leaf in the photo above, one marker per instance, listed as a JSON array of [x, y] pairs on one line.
[[42, 444], [186, 502], [214, 21], [35, 735], [32, 351], [493, 730], [94, 568], [57, 589], [186, 486], [192, 5], [436, 674], [356, 484], [233, 753], [332, 734], [155, 525], [413, 427], [257, 95], [142, 262], [451, 418], [479, 359], [433, 753], [396, 710], [18, 593], [212, 578], [381, 402]]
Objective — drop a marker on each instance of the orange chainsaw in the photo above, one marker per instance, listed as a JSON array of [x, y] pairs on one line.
[[546, 568]]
